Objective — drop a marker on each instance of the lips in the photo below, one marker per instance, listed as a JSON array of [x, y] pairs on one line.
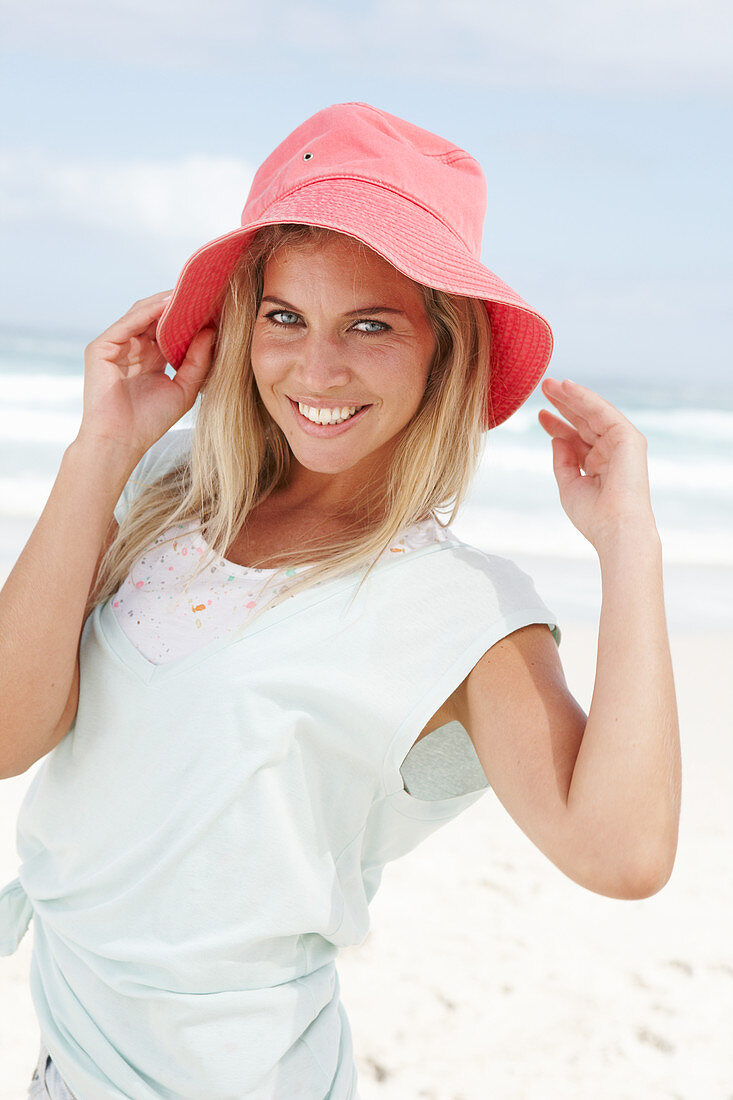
[[341, 412], [325, 430], [312, 403]]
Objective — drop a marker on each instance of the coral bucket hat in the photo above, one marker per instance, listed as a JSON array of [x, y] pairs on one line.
[[411, 196]]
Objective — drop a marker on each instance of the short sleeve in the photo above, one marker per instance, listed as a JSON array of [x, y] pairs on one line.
[[521, 591], [165, 453], [480, 599]]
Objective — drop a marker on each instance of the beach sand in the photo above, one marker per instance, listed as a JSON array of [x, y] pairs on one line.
[[489, 975]]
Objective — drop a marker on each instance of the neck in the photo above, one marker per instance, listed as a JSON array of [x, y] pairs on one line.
[[330, 495]]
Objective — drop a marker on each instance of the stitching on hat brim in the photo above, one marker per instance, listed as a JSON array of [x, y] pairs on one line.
[[373, 183], [493, 295], [452, 156]]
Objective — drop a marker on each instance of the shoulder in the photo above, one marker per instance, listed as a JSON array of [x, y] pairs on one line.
[[502, 595], [491, 621], [166, 453], [522, 653], [501, 570]]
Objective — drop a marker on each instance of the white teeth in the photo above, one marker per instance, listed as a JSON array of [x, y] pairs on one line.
[[328, 416]]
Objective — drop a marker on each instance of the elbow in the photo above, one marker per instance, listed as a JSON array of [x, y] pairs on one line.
[[646, 885], [643, 867], [14, 764], [626, 885], [630, 879], [8, 767], [646, 879], [11, 769]]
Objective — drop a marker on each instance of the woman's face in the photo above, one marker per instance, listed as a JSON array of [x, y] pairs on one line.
[[339, 327]]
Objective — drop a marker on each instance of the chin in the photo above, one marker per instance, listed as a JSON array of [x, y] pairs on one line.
[[323, 464]]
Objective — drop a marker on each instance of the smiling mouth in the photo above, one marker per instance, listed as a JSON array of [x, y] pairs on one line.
[[326, 415], [328, 426]]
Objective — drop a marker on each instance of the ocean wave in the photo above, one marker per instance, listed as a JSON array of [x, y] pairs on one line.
[[54, 346], [695, 469], [33, 391], [507, 532], [40, 426], [690, 424]]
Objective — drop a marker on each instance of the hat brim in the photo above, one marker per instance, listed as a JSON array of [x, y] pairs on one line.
[[413, 240]]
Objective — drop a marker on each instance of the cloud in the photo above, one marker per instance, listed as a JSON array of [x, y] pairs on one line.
[[657, 46], [195, 198]]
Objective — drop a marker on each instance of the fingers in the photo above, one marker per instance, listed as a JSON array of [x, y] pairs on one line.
[[565, 464], [598, 422], [559, 429], [554, 426], [590, 412], [192, 372], [557, 393]]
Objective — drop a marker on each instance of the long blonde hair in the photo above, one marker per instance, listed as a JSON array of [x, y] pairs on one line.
[[239, 454]]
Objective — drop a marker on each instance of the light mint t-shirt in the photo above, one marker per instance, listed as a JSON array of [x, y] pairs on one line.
[[212, 830]]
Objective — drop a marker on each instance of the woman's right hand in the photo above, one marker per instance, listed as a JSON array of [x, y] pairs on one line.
[[128, 398]]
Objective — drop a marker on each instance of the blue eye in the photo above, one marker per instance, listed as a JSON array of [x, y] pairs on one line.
[[373, 332], [381, 326], [281, 313]]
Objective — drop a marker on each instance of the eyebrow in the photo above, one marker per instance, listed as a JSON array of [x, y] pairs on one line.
[[351, 313]]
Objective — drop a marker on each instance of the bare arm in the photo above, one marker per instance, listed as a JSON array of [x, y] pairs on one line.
[[625, 791], [599, 795], [43, 599], [129, 403]]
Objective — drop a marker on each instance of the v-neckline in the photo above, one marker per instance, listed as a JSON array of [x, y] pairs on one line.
[[149, 672]]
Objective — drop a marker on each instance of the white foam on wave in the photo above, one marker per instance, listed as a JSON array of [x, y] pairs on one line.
[[506, 532], [704, 424], [41, 426], [44, 390], [698, 478], [695, 471], [46, 345]]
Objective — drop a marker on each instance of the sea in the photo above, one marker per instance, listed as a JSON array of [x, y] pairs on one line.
[[513, 509]]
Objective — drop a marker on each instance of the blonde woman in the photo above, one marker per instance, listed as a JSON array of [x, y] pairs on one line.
[[237, 646]]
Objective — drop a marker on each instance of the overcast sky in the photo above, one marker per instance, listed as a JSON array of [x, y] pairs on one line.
[[130, 130]]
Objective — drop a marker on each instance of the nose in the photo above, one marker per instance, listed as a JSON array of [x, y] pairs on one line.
[[322, 363]]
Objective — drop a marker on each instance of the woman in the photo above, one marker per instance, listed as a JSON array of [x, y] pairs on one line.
[[271, 623]]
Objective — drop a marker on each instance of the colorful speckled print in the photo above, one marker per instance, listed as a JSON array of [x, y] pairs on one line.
[[166, 615]]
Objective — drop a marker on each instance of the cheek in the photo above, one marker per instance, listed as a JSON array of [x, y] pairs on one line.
[[406, 389], [265, 362], [410, 369]]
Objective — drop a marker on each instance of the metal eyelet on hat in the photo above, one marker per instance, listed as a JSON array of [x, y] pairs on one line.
[[307, 156]]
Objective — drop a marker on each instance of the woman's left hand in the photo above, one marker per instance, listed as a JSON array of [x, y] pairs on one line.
[[595, 438]]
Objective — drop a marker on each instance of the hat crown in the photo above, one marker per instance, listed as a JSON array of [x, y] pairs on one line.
[[358, 141]]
